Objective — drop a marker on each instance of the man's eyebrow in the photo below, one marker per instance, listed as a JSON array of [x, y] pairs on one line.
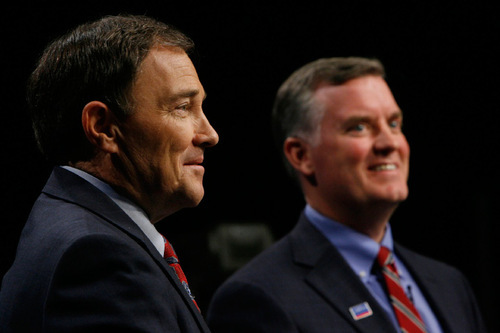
[[368, 117], [397, 114], [189, 93], [355, 119]]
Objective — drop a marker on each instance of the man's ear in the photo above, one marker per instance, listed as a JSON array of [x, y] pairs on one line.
[[298, 153], [99, 126]]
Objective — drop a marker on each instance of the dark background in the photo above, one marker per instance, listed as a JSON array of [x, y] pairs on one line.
[[442, 65]]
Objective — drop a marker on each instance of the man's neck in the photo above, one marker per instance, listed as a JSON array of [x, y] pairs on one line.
[[108, 174]]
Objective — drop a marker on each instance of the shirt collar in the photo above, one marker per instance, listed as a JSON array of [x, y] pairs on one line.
[[130, 208], [357, 249]]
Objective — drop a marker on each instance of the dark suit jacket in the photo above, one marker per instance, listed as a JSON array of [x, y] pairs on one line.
[[302, 284], [83, 265]]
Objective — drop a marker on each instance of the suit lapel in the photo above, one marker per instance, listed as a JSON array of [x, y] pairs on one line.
[[333, 279], [430, 287], [72, 188]]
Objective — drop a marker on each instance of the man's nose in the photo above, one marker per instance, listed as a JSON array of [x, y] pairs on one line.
[[206, 135], [386, 141]]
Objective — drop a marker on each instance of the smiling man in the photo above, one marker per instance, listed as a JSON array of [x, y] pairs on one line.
[[339, 270], [117, 107]]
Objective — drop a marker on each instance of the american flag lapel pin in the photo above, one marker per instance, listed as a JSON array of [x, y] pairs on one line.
[[360, 311]]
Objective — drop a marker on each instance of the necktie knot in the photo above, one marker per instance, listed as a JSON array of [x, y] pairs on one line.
[[385, 257]]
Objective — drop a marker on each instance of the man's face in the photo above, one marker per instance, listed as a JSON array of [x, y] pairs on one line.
[[362, 156], [163, 141]]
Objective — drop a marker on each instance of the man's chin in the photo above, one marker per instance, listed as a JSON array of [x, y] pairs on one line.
[[194, 197], [390, 200], [394, 195]]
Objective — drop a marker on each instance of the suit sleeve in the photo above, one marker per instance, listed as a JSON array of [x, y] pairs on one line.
[[246, 308], [101, 283]]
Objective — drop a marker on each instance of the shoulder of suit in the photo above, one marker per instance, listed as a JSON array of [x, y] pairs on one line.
[[417, 261]]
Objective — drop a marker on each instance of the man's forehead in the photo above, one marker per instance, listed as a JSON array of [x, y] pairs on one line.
[[169, 62], [360, 93], [359, 83]]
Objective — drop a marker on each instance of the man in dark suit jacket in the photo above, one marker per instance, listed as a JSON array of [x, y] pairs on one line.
[[117, 107], [339, 128]]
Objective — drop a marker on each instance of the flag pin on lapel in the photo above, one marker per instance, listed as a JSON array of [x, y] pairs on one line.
[[360, 311]]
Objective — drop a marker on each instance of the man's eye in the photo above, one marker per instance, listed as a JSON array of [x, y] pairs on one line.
[[358, 127], [181, 109], [395, 124]]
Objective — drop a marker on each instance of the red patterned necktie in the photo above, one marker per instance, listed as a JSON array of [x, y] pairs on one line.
[[173, 261], [406, 313]]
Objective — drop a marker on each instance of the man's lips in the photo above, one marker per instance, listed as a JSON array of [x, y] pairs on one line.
[[195, 161], [383, 167]]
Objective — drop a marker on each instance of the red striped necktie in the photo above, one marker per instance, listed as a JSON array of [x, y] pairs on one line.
[[406, 313], [173, 261]]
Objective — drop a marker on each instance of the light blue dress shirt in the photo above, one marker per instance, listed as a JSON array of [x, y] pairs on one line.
[[360, 252], [131, 209]]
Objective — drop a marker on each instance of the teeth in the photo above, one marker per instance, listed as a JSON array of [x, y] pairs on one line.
[[384, 167]]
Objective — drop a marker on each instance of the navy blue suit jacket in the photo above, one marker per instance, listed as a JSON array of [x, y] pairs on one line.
[[83, 265], [303, 284]]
